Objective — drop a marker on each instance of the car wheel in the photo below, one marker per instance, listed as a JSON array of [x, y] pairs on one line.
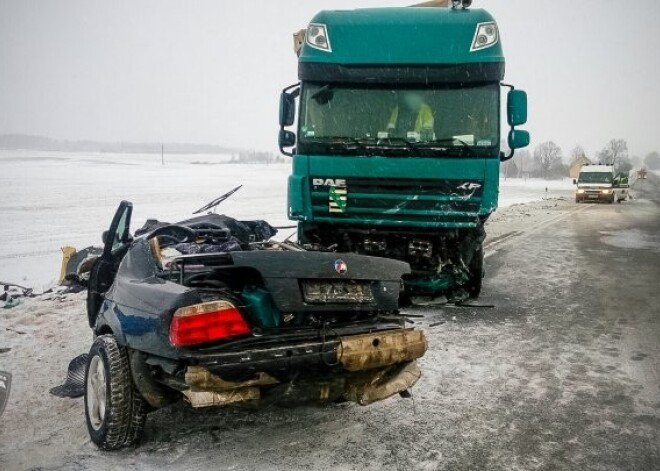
[[114, 411], [477, 273]]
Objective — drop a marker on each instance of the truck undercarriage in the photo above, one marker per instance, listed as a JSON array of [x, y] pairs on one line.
[[443, 261]]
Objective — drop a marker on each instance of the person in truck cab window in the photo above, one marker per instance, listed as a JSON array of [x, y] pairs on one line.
[[411, 114]]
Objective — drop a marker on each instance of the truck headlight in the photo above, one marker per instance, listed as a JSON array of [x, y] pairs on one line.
[[317, 37], [579, 192], [486, 35]]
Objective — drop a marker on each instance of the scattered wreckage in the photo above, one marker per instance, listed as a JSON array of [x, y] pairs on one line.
[[212, 310]]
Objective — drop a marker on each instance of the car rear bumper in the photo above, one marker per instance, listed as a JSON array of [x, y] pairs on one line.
[[361, 368]]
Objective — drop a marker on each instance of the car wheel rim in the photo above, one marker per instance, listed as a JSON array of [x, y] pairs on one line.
[[96, 392]]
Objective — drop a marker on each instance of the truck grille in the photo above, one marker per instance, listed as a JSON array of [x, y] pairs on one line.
[[439, 203]]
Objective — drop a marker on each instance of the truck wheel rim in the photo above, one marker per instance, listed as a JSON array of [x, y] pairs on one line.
[[96, 392]]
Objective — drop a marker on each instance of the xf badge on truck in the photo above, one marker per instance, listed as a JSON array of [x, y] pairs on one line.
[[467, 186]]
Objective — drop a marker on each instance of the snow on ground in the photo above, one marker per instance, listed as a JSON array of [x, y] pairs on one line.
[[520, 191], [520, 386], [52, 199]]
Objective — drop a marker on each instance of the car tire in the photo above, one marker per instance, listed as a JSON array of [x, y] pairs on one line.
[[477, 273], [114, 411]]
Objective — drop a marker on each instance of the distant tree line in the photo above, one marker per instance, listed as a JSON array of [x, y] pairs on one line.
[[547, 160], [29, 142], [255, 157]]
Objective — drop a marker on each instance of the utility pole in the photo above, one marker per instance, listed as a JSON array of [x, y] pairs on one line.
[[162, 154]]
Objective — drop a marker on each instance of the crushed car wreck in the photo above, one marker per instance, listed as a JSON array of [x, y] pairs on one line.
[[212, 310]]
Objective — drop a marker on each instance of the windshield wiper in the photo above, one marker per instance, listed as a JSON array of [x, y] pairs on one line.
[[443, 145], [373, 145], [218, 200], [408, 144], [346, 142]]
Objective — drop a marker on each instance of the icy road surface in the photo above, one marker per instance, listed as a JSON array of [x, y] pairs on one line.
[[563, 373], [52, 199]]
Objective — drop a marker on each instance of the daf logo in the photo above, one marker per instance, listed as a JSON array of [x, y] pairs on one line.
[[340, 266], [329, 182], [469, 186]]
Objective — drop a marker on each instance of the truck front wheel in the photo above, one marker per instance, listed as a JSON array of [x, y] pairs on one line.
[[114, 411]]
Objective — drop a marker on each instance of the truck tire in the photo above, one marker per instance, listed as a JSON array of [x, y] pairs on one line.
[[477, 273], [114, 411]]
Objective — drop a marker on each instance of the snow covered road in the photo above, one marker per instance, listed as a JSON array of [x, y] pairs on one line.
[[561, 374]]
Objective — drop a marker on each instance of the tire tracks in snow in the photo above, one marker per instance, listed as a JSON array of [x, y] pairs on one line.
[[491, 247]]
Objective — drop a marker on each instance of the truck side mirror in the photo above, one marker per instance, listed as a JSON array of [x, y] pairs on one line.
[[575, 181], [516, 107], [287, 109], [518, 139], [286, 139], [104, 237]]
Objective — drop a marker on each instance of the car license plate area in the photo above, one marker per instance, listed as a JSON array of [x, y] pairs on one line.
[[593, 197], [337, 291]]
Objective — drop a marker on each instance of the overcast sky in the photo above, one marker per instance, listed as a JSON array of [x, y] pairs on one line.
[[211, 71]]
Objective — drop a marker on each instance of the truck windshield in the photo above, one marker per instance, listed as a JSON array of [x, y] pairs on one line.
[[595, 177], [441, 119]]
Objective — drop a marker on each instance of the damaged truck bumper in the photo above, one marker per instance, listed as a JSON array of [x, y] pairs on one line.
[[363, 368]]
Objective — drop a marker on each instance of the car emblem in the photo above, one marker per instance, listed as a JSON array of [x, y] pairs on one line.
[[340, 266]]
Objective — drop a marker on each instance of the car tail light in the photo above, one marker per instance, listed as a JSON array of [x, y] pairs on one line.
[[206, 322]]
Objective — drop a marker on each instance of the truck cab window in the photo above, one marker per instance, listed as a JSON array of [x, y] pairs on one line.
[[381, 116]]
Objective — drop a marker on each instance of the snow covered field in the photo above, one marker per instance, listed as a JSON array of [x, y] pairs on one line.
[[52, 199]]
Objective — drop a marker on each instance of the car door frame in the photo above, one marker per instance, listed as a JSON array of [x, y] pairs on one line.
[[115, 241]]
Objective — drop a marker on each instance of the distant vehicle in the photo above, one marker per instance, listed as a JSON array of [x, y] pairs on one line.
[[621, 185], [597, 183], [211, 310]]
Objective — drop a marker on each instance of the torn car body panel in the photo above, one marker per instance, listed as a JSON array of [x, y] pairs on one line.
[[369, 351]]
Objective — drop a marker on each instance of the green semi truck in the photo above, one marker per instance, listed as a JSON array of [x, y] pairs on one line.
[[396, 150]]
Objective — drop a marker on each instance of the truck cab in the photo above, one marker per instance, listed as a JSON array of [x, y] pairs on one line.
[[595, 183], [396, 149]]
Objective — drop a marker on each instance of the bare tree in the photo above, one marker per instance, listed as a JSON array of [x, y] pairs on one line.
[[523, 160], [614, 151], [547, 157], [623, 165], [577, 153]]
